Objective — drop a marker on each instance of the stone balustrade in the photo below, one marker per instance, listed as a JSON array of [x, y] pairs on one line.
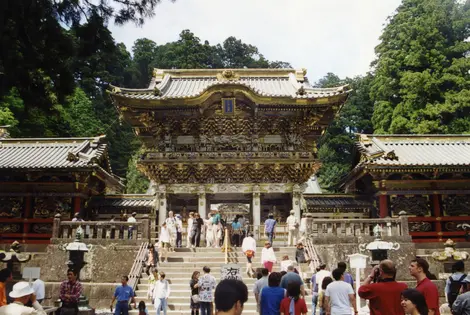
[[391, 227], [96, 231]]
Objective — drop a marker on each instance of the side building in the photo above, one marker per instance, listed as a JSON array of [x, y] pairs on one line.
[[426, 177], [42, 177]]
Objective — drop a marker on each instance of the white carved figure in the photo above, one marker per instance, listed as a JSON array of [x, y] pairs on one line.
[[450, 252], [293, 229]]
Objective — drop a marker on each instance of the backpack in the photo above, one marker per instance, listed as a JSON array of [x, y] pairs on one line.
[[455, 286]]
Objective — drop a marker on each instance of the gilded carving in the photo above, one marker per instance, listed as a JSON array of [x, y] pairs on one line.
[[456, 205], [228, 75], [419, 226], [11, 207], [416, 205], [47, 207], [9, 228], [41, 228]]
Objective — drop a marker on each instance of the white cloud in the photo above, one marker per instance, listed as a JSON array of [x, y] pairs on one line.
[[323, 36]]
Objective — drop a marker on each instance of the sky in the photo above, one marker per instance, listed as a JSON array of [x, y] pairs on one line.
[[322, 36]]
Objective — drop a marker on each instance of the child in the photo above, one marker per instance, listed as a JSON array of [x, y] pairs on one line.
[[152, 280], [142, 308]]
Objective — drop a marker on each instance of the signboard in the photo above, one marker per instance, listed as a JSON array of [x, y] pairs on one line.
[[30, 273], [230, 271]]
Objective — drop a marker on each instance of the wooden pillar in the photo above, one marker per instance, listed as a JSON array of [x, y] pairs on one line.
[[437, 212], [383, 205], [76, 204], [27, 215]]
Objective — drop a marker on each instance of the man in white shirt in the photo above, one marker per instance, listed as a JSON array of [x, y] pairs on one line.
[[304, 223], [249, 249], [131, 227], [39, 290], [339, 295], [164, 240], [293, 228], [161, 293], [21, 294]]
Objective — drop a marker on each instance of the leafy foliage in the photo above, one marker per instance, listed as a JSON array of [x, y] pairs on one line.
[[422, 79], [337, 144]]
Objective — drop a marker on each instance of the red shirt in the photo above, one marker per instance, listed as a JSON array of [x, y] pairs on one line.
[[300, 307], [429, 290], [384, 297]]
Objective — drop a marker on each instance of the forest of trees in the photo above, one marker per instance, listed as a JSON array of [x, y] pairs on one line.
[[58, 58]]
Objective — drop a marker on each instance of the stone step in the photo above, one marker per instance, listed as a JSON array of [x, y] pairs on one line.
[[212, 249], [238, 253], [184, 305]]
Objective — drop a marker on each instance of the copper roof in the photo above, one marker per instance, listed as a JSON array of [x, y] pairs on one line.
[[414, 150], [181, 84], [53, 153], [125, 201], [336, 201]]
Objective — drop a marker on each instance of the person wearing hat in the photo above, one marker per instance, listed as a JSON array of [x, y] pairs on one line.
[[21, 294], [293, 229], [461, 305], [77, 218], [131, 227]]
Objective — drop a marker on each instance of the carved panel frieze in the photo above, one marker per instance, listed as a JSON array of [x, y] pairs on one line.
[[456, 205], [414, 205], [453, 226], [419, 226], [231, 173], [11, 207], [42, 228], [10, 228], [47, 207]]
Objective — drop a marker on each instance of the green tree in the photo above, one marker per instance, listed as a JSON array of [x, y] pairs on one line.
[[337, 144], [422, 79], [136, 182]]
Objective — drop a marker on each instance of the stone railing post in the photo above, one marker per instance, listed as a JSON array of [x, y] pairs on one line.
[[56, 226], [146, 227], [404, 225]]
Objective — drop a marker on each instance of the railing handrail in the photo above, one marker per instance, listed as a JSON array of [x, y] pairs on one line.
[[226, 245], [313, 255], [137, 266], [96, 223]]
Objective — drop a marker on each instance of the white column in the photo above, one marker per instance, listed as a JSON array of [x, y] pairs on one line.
[[256, 207], [296, 196], [162, 209], [201, 205]]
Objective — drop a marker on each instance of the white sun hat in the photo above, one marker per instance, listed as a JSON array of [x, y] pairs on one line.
[[21, 289]]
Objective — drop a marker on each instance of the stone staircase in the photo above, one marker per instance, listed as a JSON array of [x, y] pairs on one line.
[[184, 261]]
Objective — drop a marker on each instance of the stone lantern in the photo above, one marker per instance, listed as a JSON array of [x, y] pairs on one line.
[[77, 250], [14, 258], [378, 248]]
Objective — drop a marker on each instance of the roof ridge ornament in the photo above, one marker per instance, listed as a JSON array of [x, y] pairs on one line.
[[301, 91], [228, 75]]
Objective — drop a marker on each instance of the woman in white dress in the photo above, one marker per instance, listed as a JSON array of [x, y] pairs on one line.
[[188, 229], [209, 233]]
